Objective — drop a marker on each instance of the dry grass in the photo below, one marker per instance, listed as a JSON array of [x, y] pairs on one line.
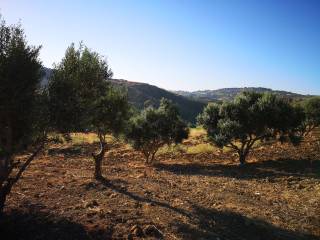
[[88, 138], [201, 148], [171, 150], [197, 132], [82, 138]]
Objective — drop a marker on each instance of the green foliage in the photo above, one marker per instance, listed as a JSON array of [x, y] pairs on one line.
[[22, 103], [20, 72], [249, 118], [154, 128], [81, 98]]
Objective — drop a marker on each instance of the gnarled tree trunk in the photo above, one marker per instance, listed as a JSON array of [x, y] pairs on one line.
[[150, 152], [246, 146], [98, 157], [153, 154]]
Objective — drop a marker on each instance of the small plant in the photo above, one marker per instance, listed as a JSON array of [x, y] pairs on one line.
[[154, 128]]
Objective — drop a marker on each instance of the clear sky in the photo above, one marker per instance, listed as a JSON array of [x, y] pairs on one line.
[[184, 44]]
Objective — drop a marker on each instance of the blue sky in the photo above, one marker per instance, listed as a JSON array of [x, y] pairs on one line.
[[185, 44]]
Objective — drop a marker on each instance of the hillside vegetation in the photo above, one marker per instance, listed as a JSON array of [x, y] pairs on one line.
[[230, 93]]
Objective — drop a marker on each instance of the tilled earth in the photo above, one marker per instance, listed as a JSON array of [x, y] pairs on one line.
[[196, 196]]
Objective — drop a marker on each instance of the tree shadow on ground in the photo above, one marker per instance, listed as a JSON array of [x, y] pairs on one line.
[[282, 167], [69, 151], [139, 198], [223, 225], [34, 225]]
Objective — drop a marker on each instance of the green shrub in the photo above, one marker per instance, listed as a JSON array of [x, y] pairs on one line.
[[154, 128]]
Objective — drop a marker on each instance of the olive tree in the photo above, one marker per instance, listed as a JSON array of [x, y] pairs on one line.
[[22, 125], [156, 127], [251, 117], [311, 107], [81, 98]]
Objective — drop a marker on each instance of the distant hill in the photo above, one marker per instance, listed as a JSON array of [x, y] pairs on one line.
[[46, 75], [229, 93], [139, 93]]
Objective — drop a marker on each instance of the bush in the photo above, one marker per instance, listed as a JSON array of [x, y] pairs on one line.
[[154, 128]]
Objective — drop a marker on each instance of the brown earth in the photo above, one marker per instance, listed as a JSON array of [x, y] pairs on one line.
[[184, 196]]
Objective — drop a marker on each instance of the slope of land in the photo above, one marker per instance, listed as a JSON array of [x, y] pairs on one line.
[[230, 93], [187, 195], [140, 93]]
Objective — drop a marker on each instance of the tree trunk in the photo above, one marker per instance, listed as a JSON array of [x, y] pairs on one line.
[[242, 158], [97, 166], [244, 150], [3, 196], [3, 170], [98, 158], [152, 156], [2, 202], [146, 154]]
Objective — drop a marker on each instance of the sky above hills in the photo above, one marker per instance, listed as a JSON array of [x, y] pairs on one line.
[[184, 44]]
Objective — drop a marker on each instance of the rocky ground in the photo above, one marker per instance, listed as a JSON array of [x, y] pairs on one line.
[[184, 196]]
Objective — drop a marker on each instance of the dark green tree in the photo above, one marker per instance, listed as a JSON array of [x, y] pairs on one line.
[[22, 118], [311, 107], [249, 118], [82, 99], [154, 128]]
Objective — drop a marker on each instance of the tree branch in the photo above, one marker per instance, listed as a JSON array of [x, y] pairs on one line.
[[233, 146]]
